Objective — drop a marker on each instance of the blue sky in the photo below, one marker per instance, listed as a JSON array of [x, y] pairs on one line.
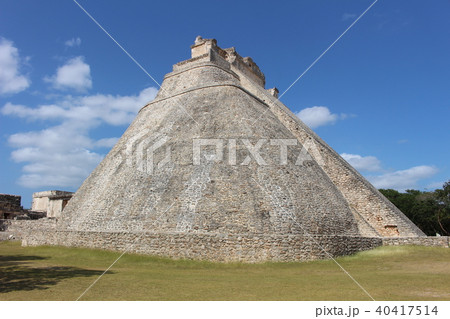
[[380, 96]]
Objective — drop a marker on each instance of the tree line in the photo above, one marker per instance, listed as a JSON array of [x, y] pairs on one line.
[[430, 211]]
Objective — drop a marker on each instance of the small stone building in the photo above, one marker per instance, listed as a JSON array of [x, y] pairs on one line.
[[51, 202], [10, 206]]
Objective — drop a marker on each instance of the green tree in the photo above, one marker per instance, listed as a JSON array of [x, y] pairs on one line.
[[443, 214], [430, 211]]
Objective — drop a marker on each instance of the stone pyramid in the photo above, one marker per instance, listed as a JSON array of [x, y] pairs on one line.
[[217, 168]]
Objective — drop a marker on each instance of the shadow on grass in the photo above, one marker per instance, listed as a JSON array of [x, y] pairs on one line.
[[17, 275]]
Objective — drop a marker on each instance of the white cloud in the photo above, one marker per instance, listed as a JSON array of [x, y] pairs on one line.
[[42, 112], [74, 42], [435, 185], [86, 110], [11, 81], [318, 116], [363, 163], [348, 16], [400, 180], [63, 169], [75, 74], [106, 142], [403, 179], [63, 155]]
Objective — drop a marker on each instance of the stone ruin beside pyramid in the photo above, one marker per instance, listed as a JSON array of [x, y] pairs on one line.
[[217, 168]]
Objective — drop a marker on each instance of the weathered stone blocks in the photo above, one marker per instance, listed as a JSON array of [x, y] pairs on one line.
[[214, 247], [232, 207]]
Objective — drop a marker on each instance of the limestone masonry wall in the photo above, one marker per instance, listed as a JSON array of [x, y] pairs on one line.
[[443, 241], [9, 205], [11, 200], [376, 215], [50, 202], [213, 247], [220, 211], [21, 228]]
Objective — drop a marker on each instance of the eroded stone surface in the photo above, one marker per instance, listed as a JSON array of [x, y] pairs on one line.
[[230, 205]]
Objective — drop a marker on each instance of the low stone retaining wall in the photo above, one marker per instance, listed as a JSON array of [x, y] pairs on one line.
[[20, 228], [213, 247], [443, 241], [207, 246], [5, 235]]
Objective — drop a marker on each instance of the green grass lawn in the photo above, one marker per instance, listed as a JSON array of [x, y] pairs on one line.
[[57, 273]]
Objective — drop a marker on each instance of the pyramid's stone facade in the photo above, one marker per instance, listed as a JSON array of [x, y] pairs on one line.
[[217, 168]]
